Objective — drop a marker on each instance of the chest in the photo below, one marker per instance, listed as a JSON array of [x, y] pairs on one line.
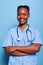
[[25, 38]]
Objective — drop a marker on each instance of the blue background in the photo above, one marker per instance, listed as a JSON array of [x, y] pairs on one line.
[[8, 12]]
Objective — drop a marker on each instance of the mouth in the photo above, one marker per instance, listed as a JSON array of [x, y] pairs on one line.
[[21, 20]]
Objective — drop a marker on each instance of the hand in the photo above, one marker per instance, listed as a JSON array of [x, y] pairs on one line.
[[10, 49]]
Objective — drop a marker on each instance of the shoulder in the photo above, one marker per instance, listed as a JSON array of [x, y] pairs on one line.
[[33, 29], [12, 30]]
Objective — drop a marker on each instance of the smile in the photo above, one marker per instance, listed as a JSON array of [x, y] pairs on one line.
[[21, 19]]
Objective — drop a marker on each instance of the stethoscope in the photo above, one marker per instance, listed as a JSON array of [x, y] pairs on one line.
[[27, 30]]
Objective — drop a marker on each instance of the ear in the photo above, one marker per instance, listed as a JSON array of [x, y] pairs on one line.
[[28, 15]]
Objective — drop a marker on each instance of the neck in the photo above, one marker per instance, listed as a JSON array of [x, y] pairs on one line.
[[22, 26]]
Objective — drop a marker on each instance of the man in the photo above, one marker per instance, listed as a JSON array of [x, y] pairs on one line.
[[22, 42]]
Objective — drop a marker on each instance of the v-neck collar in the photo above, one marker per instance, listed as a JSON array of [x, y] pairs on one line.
[[26, 27]]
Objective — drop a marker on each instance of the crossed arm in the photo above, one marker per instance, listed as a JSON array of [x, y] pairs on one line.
[[22, 50]]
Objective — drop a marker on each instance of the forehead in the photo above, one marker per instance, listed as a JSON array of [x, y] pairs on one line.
[[23, 10]]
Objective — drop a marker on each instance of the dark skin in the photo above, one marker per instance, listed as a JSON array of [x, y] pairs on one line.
[[22, 17]]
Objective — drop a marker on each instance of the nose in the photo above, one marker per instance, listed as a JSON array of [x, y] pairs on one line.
[[21, 16]]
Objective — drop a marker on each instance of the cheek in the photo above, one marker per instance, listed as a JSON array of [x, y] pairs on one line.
[[26, 17], [18, 17]]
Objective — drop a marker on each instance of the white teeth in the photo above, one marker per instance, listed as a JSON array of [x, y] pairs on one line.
[[21, 19]]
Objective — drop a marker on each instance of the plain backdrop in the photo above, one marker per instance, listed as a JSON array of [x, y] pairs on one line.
[[8, 14]]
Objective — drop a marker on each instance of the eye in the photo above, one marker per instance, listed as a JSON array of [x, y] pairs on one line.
[[24, 14]]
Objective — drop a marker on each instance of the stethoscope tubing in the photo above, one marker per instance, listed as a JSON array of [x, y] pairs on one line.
[[18, 39], [27, 35]]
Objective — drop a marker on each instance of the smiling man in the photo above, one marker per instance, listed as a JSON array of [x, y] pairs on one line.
[[23, 41]]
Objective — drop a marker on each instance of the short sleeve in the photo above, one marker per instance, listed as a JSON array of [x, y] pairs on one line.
[[7, 40], [37, 37]]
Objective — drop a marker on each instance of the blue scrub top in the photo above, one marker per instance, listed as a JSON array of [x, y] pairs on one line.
[[11, 40]]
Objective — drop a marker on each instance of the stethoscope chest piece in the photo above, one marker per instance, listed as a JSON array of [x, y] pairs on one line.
[[18, 39]]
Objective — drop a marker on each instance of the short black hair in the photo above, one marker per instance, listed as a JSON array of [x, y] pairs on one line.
[[23, 6]]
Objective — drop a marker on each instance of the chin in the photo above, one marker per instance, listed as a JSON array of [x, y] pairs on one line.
[[22, 23]]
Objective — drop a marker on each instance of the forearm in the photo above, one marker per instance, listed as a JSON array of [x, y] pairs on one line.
[[14, 53], [22, 49], [29, 49], [18, 53]]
